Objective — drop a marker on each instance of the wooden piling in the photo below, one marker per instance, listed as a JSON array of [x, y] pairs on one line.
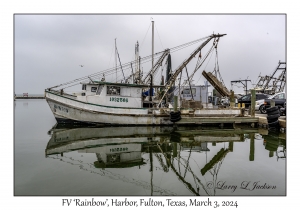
[[253, 98], [230, 147], [232, 100], [272, 103], [175, 103], [174, 144], [252, 148]]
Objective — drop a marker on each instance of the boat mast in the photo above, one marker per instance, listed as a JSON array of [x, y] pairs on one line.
[[152, 44], [139, 69], [116, 58], [137, 65], [151, 76]]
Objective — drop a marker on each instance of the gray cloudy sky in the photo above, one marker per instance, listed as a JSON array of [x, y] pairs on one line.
[[48, 49]]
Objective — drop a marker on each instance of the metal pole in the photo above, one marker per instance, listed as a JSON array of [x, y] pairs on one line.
[[139, 70], [152, 44], [150, 99], [116, 58], [187, 74], [151, 88], [180, 101], [206, 93]]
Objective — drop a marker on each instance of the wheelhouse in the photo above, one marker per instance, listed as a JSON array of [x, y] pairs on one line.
[[113, 94]]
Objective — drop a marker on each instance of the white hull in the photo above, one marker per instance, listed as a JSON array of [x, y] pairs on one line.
[[66, 109]]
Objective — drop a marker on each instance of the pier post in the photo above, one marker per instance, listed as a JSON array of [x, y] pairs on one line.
[[253, 98], [252, 141], [174, 149], [230, 147], [222, 125], [175, 103], [242, 138], [272, 103], [232, 100]]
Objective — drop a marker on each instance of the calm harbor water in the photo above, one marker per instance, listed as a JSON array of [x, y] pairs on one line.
[[52, 159]]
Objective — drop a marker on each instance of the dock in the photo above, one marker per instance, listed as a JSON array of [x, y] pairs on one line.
[[29, 97], [237, 122], [214, 120], [210, 116]]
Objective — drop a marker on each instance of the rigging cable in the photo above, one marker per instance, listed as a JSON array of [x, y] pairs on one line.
[[120, 64], [201, 61], [158, 36], [127, 65]]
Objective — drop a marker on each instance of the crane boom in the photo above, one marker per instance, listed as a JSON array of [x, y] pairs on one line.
[[180, 68], [272, 76], [146, 80]]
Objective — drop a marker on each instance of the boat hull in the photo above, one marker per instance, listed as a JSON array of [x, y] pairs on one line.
[[68, 110]]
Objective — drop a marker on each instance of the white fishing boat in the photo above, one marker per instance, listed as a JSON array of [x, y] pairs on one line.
[[135, 100]]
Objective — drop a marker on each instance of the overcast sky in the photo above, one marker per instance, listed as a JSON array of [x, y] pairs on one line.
[[48, 49]]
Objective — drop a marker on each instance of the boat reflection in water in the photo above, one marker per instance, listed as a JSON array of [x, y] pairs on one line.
[[155, 150]]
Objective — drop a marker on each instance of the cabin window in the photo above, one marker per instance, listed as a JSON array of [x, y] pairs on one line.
[[113, 90], [187, 92], [93, 89], [83, 87], [99, 90], [83, 94]]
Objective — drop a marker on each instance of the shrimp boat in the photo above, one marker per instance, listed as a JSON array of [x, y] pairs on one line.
[[136, 100]]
